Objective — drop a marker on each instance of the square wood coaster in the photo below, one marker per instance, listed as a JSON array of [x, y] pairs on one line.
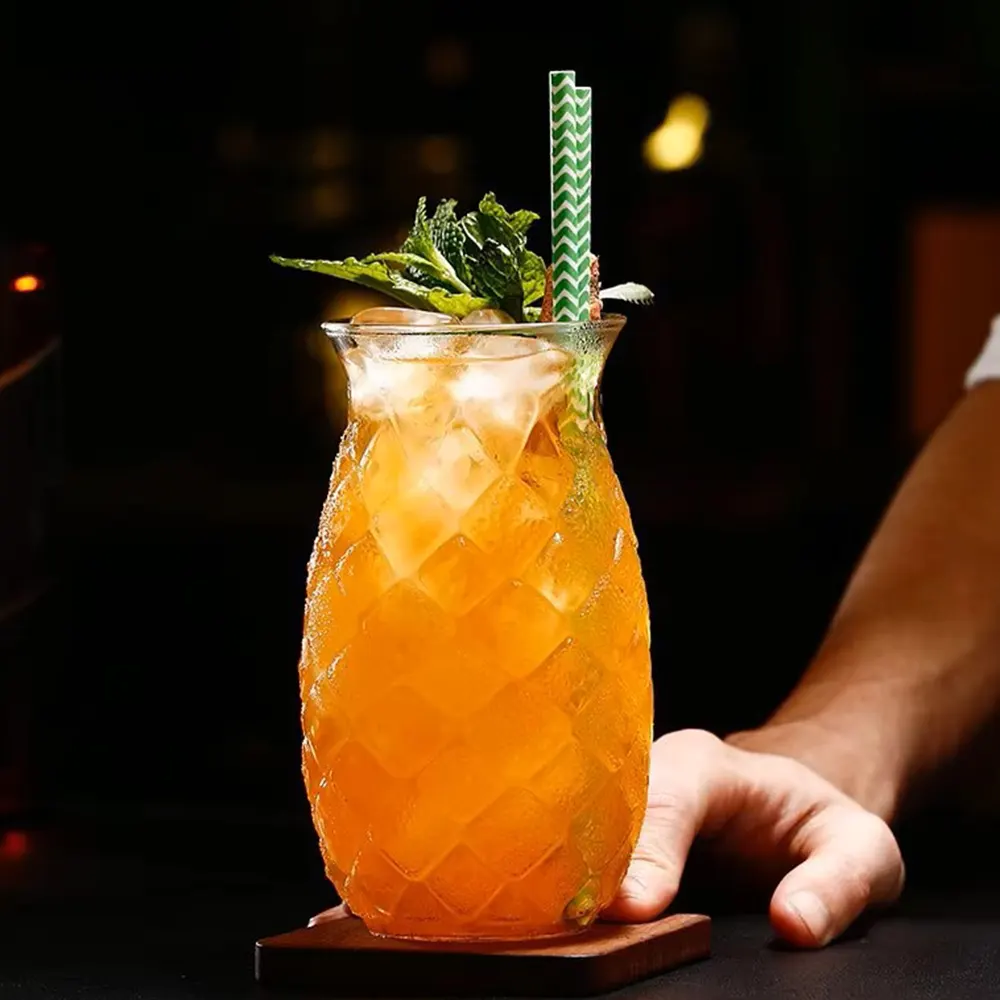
[[341, 958]]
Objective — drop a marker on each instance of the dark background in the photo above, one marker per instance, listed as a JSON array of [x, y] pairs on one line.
[[166, 462]]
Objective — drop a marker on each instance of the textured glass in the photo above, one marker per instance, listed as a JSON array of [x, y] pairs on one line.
[[475, 673]]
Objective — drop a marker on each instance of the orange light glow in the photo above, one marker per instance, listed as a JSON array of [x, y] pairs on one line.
[[14, 845], [26, 283]]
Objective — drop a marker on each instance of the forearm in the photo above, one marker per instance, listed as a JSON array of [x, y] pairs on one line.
[[910, 667]]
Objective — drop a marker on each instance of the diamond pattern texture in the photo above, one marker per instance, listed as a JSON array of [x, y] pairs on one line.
[[477, 708]]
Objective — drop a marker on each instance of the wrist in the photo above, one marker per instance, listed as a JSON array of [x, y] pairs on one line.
[[835, 750]]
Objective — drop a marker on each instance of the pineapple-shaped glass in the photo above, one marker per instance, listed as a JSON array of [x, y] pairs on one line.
[[475, 672]]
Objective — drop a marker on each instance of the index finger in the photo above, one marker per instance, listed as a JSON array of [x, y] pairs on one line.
[[851, 862]]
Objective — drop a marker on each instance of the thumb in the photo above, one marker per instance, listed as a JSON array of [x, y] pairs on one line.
[[851, 862], [684, 770], [654, 874]]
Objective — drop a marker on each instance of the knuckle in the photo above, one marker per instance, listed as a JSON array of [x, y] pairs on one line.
[[686, 744], [892, 867], [880, 834], [791, 773], [702, 741], [855, 880], [873, 870]]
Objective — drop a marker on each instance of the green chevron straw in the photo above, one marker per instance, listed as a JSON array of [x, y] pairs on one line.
[[584, 132], [570, 254]]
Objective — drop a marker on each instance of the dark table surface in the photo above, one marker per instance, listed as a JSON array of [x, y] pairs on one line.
[[166, 906]]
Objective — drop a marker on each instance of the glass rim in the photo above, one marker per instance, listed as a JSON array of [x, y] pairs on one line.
[[608, 323]]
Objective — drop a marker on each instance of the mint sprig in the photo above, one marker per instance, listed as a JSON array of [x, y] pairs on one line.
[[452, 265], [372, 272]]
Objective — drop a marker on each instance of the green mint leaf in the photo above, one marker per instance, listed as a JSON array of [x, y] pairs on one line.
[[421, 243], [426, 237], [444, 219], [415, 267], [497, 257], [519, 221], [532, 277], [494, 269], [492, 222], [628, 292], [381, 276], [446, 231]]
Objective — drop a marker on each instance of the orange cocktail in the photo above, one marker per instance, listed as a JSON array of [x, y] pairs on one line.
[[475, 669]]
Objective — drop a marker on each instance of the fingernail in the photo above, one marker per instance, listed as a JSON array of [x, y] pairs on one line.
[[813, 913]]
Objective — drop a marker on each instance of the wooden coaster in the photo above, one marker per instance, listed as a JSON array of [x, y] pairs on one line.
[[340, 957]]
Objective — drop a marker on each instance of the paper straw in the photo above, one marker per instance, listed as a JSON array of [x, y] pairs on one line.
[[584, 132], [570, 260]]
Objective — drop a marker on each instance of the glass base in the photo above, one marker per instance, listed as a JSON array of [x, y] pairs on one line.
[[487, 937]]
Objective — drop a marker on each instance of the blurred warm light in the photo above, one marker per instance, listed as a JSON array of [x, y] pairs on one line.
[[26, 283], [329, 201], [349, 301], [673, 146], [329, 150], [236, 144], [439, 154], [678, 142], [447, 62], [13, 845], [689, 108]]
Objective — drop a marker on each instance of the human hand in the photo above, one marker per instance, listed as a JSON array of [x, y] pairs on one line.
[[763, 810]]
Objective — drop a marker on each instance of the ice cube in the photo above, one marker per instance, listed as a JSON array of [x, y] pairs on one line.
[[397, 383], [398, 316], [501, 399], [414, 346], [487, 317], [424, 419], [364, 389], [461, 469], [500, 345], [410, 525], [541, 371]]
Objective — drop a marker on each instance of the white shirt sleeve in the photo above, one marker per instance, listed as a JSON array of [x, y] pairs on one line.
[[988, 364]]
